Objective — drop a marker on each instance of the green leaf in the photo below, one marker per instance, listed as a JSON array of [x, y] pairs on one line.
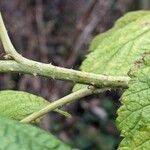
[[17, 104], [135, 111], [140, 140], [134, 114], [18, 136], [116, 50], [120, 23]]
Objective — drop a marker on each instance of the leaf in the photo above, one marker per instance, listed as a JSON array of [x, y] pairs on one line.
[[117, 50], [134, 114], [17, 104], [120, 23], [135, 110], [140, 140], [18, 136]]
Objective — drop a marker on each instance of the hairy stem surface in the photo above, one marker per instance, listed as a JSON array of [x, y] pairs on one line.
[[64, 74]]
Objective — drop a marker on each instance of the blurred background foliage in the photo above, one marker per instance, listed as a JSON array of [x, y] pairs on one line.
[[59, 32]]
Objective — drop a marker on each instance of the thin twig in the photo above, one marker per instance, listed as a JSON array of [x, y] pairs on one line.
[[61, 102]]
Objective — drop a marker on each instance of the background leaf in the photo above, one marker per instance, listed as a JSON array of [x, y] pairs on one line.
[[18, 104], [120, 23], [18, 136], [117, 50]]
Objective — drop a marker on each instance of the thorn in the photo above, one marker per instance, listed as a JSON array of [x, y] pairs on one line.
[[8, 57], [35, 74]]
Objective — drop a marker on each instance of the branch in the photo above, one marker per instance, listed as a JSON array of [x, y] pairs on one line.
[[61, 102], [24, 65], [64, 74], [20, 64]]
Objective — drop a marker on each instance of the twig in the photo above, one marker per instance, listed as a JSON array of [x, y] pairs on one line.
[[25, 65], [21, 64], [61, 102], [64, 74]]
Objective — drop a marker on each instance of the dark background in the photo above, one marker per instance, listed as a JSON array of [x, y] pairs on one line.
[[59, 32]]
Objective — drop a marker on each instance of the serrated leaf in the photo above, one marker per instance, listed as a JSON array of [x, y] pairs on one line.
[[135, 111], [116, 51], [18, 136], [140, 140], [134, 115], [17, 104]]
